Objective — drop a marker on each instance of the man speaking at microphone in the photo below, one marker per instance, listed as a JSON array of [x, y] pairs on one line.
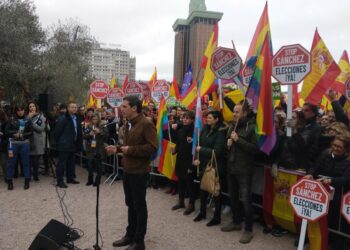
[[140, 143]]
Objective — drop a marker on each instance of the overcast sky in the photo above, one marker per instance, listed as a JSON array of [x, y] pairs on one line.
[[145, 27]]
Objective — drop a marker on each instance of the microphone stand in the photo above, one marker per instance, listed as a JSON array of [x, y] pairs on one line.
[[98, 181]]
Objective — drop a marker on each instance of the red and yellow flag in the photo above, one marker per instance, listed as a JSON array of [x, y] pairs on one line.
[[189, 99], [113, 82], [339, 83], [153, 79], [278, 211], [324, 72], [208, 75], [174, 90], [126, 80]]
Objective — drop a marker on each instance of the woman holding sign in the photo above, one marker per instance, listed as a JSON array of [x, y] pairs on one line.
[[333, 168]]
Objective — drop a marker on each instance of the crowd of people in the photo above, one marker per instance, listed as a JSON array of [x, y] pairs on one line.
[[320, 144]]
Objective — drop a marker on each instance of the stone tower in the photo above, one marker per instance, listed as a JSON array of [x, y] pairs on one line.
[[191, 38]]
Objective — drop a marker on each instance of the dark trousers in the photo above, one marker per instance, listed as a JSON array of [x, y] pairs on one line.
[[241, 186], [34, 163], [135, 186], [204, 199], [65, 159], [186, 184]]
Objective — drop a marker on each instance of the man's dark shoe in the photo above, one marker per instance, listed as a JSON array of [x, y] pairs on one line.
[[214, 222], [199, 217], [178, 206], [10, 185], [136, 246], [122, 242], [26, 183], [189, 209], [73, 182], [61, 185]]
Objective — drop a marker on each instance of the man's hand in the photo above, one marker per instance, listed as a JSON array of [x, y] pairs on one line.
[[196, 162], [234, 136], [229, 142], [308, 177], [325, 180], [198, 148], [111, 149], [124, 149], [17, 135]]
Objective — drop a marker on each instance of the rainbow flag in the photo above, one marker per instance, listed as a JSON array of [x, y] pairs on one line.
[[162, 123], [167, 160], [174, 90], [189, 98], [324, 72], [261, 30], [197, 123], [113, 82], [260, 93], [153, 79], [339, 83], [208, 75]]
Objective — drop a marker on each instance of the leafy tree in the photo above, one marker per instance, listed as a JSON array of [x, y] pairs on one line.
[[64, 67], [21, 42]]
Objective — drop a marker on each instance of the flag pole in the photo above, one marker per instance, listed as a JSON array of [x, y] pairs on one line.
[[171, 155], [198, 151]]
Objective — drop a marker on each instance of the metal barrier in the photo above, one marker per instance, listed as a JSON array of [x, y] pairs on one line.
[[257, 182]]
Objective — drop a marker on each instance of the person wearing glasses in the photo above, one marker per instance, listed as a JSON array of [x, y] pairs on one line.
[[333, 168]]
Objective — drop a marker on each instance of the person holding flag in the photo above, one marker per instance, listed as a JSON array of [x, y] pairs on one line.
[[184, 169], [211, 138], [242, 146]]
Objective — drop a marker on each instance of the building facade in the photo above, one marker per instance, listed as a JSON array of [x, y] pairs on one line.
[[191, 38], [105, 62]]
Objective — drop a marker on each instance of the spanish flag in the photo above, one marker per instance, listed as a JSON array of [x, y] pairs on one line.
[[189, 98], [276, 207], [113, 82], [324, 72], [174, 90], [339, 83], [278, 211], [125, 84], [167, 160], [208, 75], [153, 79]]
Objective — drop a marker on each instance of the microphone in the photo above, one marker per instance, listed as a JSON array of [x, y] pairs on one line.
[[111, 123]]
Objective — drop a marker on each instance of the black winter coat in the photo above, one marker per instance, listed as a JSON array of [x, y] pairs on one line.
[[338, 168], [13, 126], [183, 149]]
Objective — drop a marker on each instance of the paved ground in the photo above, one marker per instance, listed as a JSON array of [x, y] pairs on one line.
[[23, 213]]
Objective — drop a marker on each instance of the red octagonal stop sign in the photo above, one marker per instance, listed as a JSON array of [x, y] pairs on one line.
[[309, 199], [99, 89], [345, 206], [226, 63], [291, 64]]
